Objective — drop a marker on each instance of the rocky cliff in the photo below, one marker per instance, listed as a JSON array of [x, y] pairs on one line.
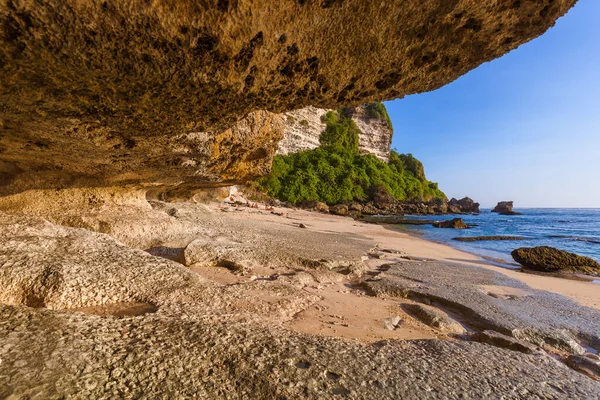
[[304, 127], [136, 92]]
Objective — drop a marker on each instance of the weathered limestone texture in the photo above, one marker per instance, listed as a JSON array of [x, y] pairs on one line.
[[303, 129], [118, 92], [202, 339]]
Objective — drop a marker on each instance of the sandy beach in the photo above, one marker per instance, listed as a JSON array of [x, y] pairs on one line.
[[412, 246]]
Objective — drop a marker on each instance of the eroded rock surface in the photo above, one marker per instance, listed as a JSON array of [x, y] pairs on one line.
[[194, 337], [303, 129], [116, 92], [470, 293]]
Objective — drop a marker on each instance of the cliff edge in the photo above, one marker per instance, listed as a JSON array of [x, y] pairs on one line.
[[304, 127], [97, 93]]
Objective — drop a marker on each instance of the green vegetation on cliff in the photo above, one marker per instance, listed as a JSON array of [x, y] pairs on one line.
[[336, 172], [378, 110]]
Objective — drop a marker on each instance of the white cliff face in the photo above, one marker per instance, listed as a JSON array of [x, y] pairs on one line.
[[302, 130], [304, 127], [375, 137]]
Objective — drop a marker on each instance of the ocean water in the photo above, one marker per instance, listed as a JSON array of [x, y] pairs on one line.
[[574, 230]]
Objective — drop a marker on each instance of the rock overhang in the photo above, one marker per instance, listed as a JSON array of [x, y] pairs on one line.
[[138, 92]]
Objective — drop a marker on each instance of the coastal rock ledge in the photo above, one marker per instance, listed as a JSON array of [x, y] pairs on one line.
[[99, 93], [549, 259]]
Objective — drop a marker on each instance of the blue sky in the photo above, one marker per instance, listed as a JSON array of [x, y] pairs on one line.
[[525, 127]]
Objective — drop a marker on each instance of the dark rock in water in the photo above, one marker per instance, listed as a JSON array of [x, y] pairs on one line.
[[503, 207], [510, 213], [454, 210], [462, 206], [480, 238], [339, 209], [456, 223], [468, 205], [549, 259], [440, 205], [507, 342]]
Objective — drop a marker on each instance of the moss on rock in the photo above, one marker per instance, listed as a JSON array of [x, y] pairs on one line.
[[550, 259]]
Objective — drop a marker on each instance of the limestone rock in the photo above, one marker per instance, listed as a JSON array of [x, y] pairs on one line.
[[130, 92], [339, 209], [314, 205], [468, 205], [549, 259], [585, 365], [559, 339], [303, 129], [434, 317], [391, 323], [505, 341]]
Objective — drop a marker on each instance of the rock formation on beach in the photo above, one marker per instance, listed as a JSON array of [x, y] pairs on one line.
[[465, 205], [549, 259], [164, 93], [304, 127], [120, 120], [505, 208], [456, 223]]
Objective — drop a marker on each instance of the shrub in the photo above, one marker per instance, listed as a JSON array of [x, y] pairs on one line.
[[378, 110], [336, 172]]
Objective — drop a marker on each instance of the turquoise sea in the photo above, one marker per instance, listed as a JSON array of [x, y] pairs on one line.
[[574, 230]]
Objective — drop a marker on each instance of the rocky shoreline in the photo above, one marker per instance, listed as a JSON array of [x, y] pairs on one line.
[[238, 306], [122, 277], [387, 206]]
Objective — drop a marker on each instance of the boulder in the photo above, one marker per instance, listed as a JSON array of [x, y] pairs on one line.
[[314, 205], [454, 209], [339, 209], [370, 209], [456, 223], [440, 206], [467, 205], [503, 207], [392, 323], [355, 207], [550, 259]]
